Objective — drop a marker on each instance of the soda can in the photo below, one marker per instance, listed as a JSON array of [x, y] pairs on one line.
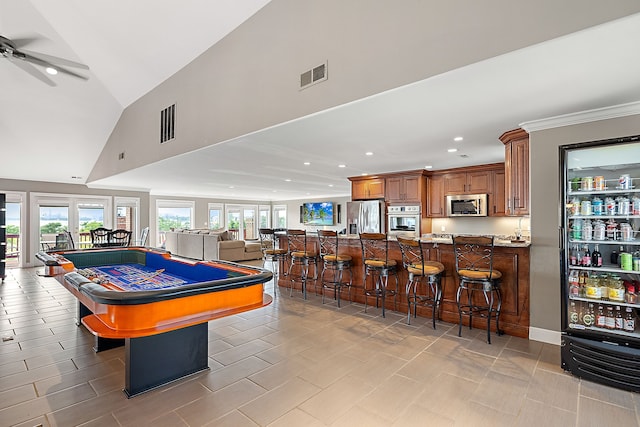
[[624, 182], [635, 210], [598, 182], [624, 207], [587, 183], [611, 206]]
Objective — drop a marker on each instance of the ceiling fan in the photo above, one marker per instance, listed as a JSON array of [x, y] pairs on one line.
[[23, 59]]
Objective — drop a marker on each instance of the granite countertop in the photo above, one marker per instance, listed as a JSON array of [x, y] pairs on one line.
[[500, 240]]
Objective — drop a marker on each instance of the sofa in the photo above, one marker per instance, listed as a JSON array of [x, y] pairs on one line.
[[211, 244]]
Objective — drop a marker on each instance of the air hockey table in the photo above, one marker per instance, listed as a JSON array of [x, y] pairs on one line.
[[156, 305]]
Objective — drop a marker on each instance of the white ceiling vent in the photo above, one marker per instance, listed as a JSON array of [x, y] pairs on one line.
[[315, 75], [168, 124]]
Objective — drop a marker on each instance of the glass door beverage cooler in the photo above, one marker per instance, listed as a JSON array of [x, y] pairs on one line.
[[600, 261]]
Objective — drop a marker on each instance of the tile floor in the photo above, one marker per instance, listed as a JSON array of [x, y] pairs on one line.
[[293, 363]]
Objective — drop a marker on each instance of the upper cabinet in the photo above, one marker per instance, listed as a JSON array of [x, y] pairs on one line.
[[435, 199], [483, 179], [406, 189], [473, 182], [367, 188], [516, 143], [497, 197]]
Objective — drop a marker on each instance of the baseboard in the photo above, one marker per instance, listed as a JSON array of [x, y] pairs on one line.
[[545, 335]]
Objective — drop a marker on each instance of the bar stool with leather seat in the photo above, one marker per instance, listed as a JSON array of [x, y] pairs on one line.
[[335, 263], [474, 267], [378, 266], [300, 256], [271, 251], [429, 295]]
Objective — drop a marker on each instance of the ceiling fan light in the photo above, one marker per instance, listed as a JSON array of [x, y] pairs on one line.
[[51, 70]]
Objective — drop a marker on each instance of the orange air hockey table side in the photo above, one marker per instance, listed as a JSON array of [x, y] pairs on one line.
[[156, 305]]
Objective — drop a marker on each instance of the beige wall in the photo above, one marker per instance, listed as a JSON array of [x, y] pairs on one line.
[[546, 206], [249, 80]]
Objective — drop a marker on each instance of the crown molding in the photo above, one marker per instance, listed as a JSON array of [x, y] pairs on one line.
[[587, 116]]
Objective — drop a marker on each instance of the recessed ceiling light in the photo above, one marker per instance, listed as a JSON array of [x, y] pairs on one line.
[[307, 163], [458, 138], [330, 185], [364, 174], [287, 180], [369, 153], [452, 150], [51, 71], [342, 166], [231, 186], [428, 167]]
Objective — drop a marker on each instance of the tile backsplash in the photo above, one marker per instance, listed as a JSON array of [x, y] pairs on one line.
[[503, 226]]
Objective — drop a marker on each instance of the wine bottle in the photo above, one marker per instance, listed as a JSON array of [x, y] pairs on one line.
[[596, 257]]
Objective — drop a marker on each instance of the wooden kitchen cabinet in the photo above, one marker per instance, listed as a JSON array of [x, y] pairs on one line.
[[497, 197], [476, 182], [435, 199], [406, 189], [516, 144], [368, 188]]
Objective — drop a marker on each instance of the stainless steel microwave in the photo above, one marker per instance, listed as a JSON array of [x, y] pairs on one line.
[[467, 205]]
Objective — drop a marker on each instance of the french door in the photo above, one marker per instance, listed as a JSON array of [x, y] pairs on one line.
[[241, 221], [52, 214]]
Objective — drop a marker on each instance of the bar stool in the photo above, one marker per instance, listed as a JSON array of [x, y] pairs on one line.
[[335, 263], [418, 269], [300, 256], [271, 251], [474, 266], [378, 266]]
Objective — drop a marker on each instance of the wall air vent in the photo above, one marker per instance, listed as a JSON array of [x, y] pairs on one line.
[[315, 75], [168, 123]]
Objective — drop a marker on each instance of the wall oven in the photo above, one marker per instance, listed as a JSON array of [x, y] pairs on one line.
[[403, 220], [467, 205]]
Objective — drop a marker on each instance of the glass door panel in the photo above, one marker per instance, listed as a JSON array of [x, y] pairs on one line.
[[53, 220], [90, 217], [14, 247]]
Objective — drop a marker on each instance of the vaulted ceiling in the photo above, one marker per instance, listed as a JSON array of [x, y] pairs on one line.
[[57, 133]]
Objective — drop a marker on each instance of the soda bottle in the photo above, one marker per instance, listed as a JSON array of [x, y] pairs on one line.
[[573, 255], [610, 321], [596, 257], [589, 318], [573, 314], [574, 284], [586, 256], [629, 320], [601, 318], [619, 319]]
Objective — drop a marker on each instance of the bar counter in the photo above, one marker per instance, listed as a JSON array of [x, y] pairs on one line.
[[511, 259]]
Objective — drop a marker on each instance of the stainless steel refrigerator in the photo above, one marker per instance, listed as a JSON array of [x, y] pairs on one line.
[[365, 217], [600, 261]]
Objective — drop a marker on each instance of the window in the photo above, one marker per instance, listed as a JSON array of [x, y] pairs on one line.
[[172, 214], [264, 214], [280, 216], [241, 221], [216, 216]]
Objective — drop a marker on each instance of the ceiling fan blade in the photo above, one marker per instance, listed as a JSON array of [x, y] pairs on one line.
[[23, 41], [35, 60], [55, 60], [25, 66]]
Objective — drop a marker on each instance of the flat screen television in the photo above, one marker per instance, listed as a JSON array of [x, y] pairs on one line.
[[318, 213]]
